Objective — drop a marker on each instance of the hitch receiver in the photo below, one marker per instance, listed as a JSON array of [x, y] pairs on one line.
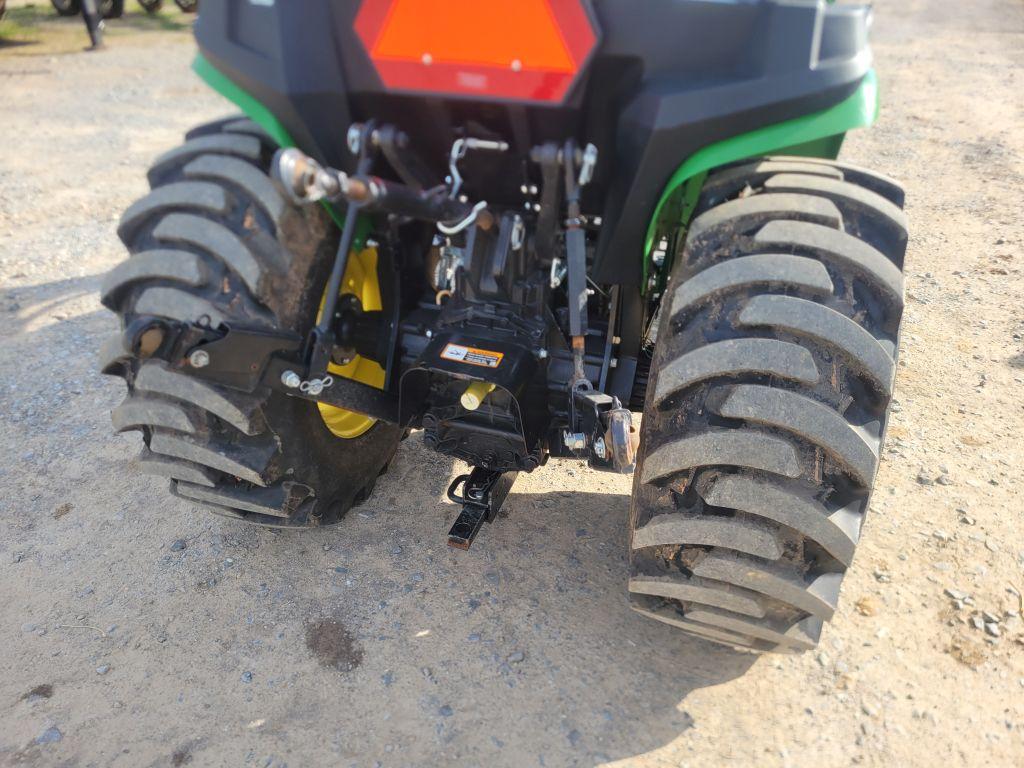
[[483, 493]]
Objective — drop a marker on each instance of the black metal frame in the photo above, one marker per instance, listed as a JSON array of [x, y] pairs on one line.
[[483, 493]]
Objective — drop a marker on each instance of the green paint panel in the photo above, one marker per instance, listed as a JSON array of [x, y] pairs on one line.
[[255, 110], [216, 79], [817, 135]]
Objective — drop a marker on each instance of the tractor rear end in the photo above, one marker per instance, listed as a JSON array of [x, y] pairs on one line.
[[515, 227]]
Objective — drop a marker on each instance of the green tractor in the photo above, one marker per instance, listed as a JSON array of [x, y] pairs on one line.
[[606, 230]]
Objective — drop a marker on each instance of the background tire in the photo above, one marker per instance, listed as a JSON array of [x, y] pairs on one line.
[[111, 9], [67, 7], [769, 391], [151, 6], [188, 6], [215, 241]]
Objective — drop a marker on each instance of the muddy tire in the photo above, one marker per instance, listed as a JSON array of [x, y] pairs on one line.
[[215, 242], [770, 387]]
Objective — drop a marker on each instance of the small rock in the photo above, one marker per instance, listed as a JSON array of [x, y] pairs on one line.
[[992, 629], [977, 623], [882, 576], [17, 557], [956, 594], [28, 627], [102, 669], [445, 711], [516, 657], [178, 545], [49, 736], [924, 478], [823, 658], [940, 535], [944, 480], [869, 708], [990, 618], [867, 606], [396, 551], [247, 677], [991, 546]]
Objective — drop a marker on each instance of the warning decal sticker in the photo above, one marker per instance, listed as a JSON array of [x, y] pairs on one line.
[[472, 356]]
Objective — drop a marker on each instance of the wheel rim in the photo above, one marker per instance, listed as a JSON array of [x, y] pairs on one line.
[[360, 281]]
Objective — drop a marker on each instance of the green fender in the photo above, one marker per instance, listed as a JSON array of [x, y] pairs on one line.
[[263, 117], [816, 135]]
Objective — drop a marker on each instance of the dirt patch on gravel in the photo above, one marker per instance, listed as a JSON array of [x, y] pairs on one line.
[[333, 645]]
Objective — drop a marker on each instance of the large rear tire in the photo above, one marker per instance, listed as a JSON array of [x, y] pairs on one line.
[[215, 241], [769, 392]]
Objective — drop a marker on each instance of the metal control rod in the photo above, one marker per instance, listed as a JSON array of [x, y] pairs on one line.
[[306, 181]]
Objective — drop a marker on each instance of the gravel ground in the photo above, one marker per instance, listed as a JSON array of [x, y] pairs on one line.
[[139, 631]]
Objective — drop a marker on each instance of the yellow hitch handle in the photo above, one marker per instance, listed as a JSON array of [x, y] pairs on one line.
[[475, 394]]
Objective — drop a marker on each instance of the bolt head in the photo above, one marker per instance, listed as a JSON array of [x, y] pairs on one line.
[[200, 358], [291, 379], [354, 138], [542, 354]]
